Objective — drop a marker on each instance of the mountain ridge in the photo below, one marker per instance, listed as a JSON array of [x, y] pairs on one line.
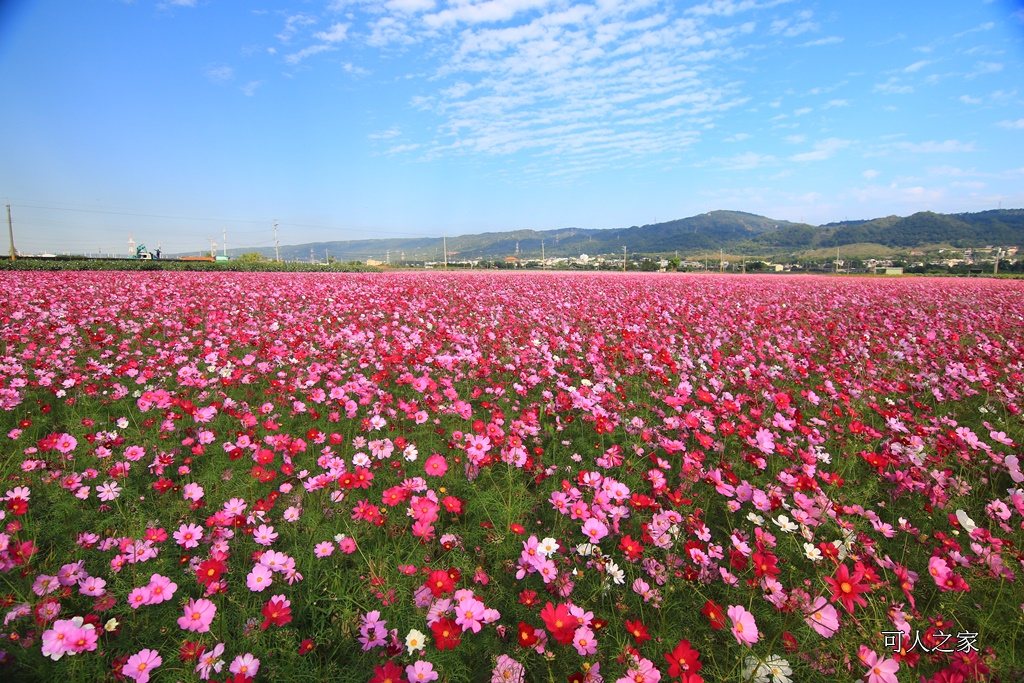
[[732, 231]]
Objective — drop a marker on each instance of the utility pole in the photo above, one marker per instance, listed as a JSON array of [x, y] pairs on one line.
[[721, 260], [213, 247], [10, 230], [623, 258], [225, 233], [311, 255], [445, 239], [327, 259], [995, 270], [837, 260], [543, 260], [387, 259], [277, 254]]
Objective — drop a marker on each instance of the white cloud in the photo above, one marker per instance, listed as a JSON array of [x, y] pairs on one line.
[[825, 149], [917, 66], [1013, 125], [802, 111], [337, 33], [738, 137], [489, 11], [796, 139], [870, 174], [293, 25], [219, 73], [893, 87], [967, 99], [984, 68], [250, 88], [836, 103], [297, 57], [746, 161], [829, 40], [933, 147]]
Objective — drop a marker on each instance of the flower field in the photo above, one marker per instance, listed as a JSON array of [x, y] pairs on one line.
[[546, 477]]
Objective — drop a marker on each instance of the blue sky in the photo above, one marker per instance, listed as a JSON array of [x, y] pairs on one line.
[[176, 120]]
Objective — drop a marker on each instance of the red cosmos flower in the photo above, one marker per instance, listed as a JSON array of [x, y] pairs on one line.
[[638, 631], [633, 549], [306, 646], [683, 660], [209, 571], [452, 504], [527, 635], [765, 564], [848, 588], [439, 583], [517, 528], [163, 485], [447, 634], [714, 614], [559, 622], [277, 612], [191, 650], [17, 506], [526, 597]]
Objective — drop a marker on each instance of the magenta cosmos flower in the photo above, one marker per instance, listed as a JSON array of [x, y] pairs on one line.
[[198, 615]]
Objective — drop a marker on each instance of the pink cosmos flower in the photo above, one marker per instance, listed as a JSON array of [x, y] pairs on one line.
[[468, 614], [436, 465], [57, 641], [161, 589], [188, 535], [192, 492], [584, 641], [594, 529], [323, 549], [507, 670], [879, 670], [91, 586], [259, 579], [141, 664], [421, 672], [246, 664], [643, 671], [198, 615], [823, 617], [264, 535], [210, 662], [138, 597], [743, 626]]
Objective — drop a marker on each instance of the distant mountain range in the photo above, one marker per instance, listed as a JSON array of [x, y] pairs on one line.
[[734, 232]]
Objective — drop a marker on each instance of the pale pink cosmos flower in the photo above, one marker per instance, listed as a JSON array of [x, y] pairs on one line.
[[594, 529], [139, 665], [323, 549], [879, 670], [246, 664], [743, 626], [198, 615], [192, 492], [507, 670], [421, 672], [823, 617], [259, 579], [57, 640], [264, 535], [210, 662]]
